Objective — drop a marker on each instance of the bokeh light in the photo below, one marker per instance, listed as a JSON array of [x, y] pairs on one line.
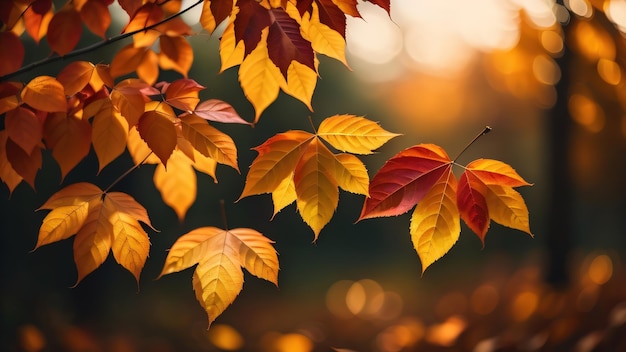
[[225, 337]]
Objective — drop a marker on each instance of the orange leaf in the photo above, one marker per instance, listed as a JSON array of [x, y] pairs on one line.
[[284, 194], [131, 244], [177, 183], [220, 254], [26, 165], [109, 134], [75, 76], [96, 16], [45, 93], [24, 128], [183, 94], [10, 60], [218, 111], [495, 172], [7, 174], [73, 194], [64, 30], [148, 69], [176, 54], [129, 97], [139, 150], [148, 14], [9, 93], [472, 204], [157, 129], [69, 138], [127, 60], [277, 159], [37, 19], [435, 224], [92, 243], [209, 141]]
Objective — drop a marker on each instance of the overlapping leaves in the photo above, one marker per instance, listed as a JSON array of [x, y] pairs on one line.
[[101, 222], [298, 166], [423, 175], [220, 255]]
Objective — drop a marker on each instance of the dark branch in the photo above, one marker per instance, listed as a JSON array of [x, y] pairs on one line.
[[93, 47]]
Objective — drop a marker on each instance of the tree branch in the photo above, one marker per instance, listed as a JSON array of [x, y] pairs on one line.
[[93, 47]]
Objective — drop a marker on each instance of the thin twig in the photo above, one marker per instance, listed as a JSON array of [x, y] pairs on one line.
[[126, 174], [484, 132], [224, 219], [93, 47]]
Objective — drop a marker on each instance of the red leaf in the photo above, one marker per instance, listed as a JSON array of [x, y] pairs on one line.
[[24, 164], [383, 4], [249, 22], [64, 30], [404, 180], [285, 43], [332, 16], [221, 9], [218, 111], [96, 16], [10, 60], [41, 6], [472, 204]]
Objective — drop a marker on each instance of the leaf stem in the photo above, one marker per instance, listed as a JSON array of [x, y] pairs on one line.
[[117, 180], [312, 124], [223, 209], [93, 47], [484, 132]]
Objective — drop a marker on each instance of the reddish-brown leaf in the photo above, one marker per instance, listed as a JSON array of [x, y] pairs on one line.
[[64, 30], [218, 111], [183, 94], [45, 93], [24, 128], [472, 204], [69, 138], [7, 174], [127, 60], [332, 16], [9, 93], [176, 54], [285, 43], [249, 22], [10, 60], [75, 76], [404, 180], [37, 18], [158, 131], [96, 16], [130, 6], [214, 12], [24, 164], [383, 4]]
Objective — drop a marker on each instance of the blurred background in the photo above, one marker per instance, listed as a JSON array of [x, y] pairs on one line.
[[547, 77]]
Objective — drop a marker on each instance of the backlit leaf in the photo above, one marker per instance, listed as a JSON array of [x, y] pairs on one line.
[[183, 94], [349, 7], [7, 174], [74, 194], [37, 19], [285, 43], [69, 138], [127, 60], [214, 12], [209, 141], [64, 30], [324, 39], [45, 93], [26, 165], [75, 76], [177, 183], [220, 255], [218, 111], [109, 134], [62, 222], [350, 174], [9, 93], [251, 21], [96, 16], [301, 82], [24, 128], [92, 243], [316, 190], [176, 54], [472, 204], [284, 194], [139, 150], [332, 16], [277, 159], [495, 172], [507, 207], [353, 134], [157, 129], [435, 224], [231, 51], [404, 180]]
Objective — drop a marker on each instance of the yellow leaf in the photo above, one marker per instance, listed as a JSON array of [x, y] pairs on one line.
[[109, 134], [284, 194], [93, 242], [277, 159], [507, 207], [353, 134], [435, 224], [231, 52], [209, 141], [62, 223], [177, 183], [301, 81], [205, 164], [324, 40], [45, 93], [131, 244], [220, 254], [260, 78], [317, 193], [350, 174], [73, 194]]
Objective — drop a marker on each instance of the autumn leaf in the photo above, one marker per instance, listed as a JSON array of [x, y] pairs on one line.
[[297, 165], [422, 175], [182, 94], [96, 16], [7, 174], [45, 93], [64, 30], [176, 54], [10, 60], [101, 223], [24, 128], [69, 138], [157, 129], [218, 111], [220, 255], [109, 134], [209, 141]]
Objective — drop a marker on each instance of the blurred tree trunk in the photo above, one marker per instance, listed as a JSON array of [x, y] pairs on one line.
[[559, 235]]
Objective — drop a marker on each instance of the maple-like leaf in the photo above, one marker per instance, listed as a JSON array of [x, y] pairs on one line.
[[297, 165], [101, 222], [220, 255], [422, 175]]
